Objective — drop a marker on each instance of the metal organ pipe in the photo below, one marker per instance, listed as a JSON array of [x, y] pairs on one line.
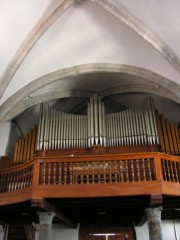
[[134, 126]]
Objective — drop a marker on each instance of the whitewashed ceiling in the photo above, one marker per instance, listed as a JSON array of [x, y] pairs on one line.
[[51, 48]]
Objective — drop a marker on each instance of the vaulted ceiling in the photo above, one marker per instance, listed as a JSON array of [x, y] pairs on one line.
[[57, 49]]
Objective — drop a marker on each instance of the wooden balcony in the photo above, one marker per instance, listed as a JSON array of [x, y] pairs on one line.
[[91, 176], [84, 187]]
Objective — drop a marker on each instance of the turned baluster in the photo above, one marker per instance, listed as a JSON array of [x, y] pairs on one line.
[[19, 179], [90, 172], [70, 173], [31, 175], [132, 170], [81, 172], [176, 171], [98, 172], [85, 173], [54, 173], [164, 169], [65, 173], [4, 182], [143, 170], [93, 172], [104, 171], [126, 171], [44, 167], [10, 182], [1, 183], [16, 180], [27, 176], [137, 170], [172, 170], [60, 173], [121, 170], [110, 171], [149, 169], [75, 173], [101, 172], [23, 178], [49, 173], [7, 182], [168, 170], [13, 186], [115, 172]]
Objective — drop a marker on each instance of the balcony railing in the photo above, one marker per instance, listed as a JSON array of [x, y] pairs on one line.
[[130, 170]]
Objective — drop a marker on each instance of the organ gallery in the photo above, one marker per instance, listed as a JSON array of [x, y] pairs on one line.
[[141, 125]]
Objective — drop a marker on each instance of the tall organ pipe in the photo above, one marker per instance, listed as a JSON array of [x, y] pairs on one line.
[[134, 126]]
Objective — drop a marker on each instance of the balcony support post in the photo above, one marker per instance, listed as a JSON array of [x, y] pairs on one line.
[[45, 221], [154, 223]]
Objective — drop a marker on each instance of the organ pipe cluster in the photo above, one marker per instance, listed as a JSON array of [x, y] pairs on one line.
[[58, 130], [134, 126], [25, 147]]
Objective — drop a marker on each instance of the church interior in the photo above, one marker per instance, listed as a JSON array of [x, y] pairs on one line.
[[89, 120]]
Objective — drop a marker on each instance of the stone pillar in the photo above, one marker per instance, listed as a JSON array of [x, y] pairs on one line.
[[154, 223], [45, 221]]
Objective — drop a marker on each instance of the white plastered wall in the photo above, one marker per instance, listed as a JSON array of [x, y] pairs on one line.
[[4, 137], [171, 231]]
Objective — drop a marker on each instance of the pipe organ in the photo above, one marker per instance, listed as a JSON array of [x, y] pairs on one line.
[[135, 126], [169, 136], [26, 147], [59, 130], [139, 125]]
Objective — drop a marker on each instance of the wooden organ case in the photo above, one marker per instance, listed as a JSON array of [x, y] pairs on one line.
[[137, 129]]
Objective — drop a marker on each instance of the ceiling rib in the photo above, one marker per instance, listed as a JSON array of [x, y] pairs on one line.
[[143, 31], [41, 27]]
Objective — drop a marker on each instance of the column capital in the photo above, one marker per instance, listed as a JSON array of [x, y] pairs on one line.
[[46, 217], [153, 213]]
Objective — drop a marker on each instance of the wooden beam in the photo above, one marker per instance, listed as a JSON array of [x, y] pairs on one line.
[[156, 200], [45, 205]]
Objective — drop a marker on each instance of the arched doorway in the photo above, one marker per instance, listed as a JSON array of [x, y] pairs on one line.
[[106, 231]]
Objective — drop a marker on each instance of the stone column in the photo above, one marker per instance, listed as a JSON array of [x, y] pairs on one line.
[[154, 223], [45, 221]]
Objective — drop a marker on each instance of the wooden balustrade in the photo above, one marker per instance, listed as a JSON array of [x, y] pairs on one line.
[[132, 170], [171, 170], [16, 178], [169, 136], [92, 170], [25, 147]]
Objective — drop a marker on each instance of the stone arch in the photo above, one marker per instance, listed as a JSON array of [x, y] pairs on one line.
[[152, 83]]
